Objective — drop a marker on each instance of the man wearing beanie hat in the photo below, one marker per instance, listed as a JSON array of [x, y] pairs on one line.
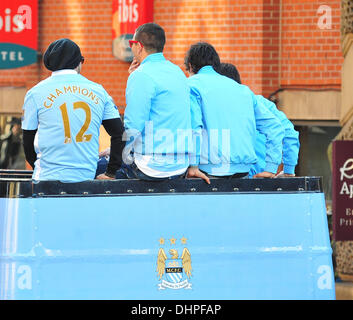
[[61, 120], [62, 54]]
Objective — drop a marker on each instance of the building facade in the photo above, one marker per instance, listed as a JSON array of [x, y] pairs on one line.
[[298, 53], [344, 249], [288, 50], [276, 44]]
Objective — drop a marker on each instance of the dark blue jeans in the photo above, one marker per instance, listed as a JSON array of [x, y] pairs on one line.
[[241, 175], [130, 172]]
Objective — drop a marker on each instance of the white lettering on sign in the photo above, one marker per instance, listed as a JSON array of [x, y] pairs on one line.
[[11, 56], [24, 281], [346, 222], [325, 281], [128, 11], [347, 189], [348, 166], [16, 21]]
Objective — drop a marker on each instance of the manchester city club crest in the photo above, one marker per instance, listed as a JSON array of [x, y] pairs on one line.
[[174, 272]]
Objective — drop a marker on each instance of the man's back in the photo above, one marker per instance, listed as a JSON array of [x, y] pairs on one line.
[[171, 98], [291, 142], [229, 122], [158, 106], [68, 111], [225, 115]]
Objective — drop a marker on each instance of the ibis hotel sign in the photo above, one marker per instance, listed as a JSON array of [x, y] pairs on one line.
[[127, 16], [342, 190], [18, 33]]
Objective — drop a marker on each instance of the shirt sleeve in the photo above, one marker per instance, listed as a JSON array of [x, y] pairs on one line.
[[140, 91], [291, 146], [110, 109], [30, 113], [271, 127], [115, 129], [196, 125], [28, 146], [291, 142]]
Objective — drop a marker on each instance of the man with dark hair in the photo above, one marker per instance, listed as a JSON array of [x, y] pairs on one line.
[[229, 70], [152, 36], [62, 117], [291, 143], [225, 116], [157, 109], [201, 54]]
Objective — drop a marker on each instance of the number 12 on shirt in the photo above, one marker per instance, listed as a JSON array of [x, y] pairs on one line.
[[81, 136]]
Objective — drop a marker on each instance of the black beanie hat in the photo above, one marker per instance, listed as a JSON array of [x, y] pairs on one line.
[[62, 54]]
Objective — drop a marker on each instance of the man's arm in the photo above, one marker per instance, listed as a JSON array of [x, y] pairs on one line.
[[291, 142], [291, 147], [140, 90], [28, 146], [115, 129], [29, 128], [196, 125], [271, 127]]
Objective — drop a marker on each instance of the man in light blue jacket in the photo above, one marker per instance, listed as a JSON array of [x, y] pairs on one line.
[[157, 116], [291, 143], [225, 116]]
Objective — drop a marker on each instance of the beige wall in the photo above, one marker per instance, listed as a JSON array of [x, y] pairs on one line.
[[310, 105], [11, 100], [347, 79]]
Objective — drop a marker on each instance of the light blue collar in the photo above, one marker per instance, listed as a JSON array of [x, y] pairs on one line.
[[206, 69], [154, 57], [64, 71]]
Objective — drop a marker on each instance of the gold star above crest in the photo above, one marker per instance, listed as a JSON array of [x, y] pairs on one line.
[[172, 240], [183, 240], [161, 241]]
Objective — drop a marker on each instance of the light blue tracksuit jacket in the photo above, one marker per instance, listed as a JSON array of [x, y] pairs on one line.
[[291, 143], [225, 116]]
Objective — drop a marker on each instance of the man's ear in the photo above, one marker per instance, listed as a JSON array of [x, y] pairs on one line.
[[79, 67], [142, 48]]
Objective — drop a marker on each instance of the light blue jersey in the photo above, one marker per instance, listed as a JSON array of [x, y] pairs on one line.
[[157, 115], [291, 143], [68, 110], [226, 115]]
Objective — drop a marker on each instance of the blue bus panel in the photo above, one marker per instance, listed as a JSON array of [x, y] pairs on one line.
[[230, 240]]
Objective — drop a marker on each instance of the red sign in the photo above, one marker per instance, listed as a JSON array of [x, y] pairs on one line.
[[18, 32], [342, 190], [127, 16]]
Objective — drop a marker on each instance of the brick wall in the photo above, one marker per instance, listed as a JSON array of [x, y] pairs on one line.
[[233, 27], [311, 56], [245, 32]]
